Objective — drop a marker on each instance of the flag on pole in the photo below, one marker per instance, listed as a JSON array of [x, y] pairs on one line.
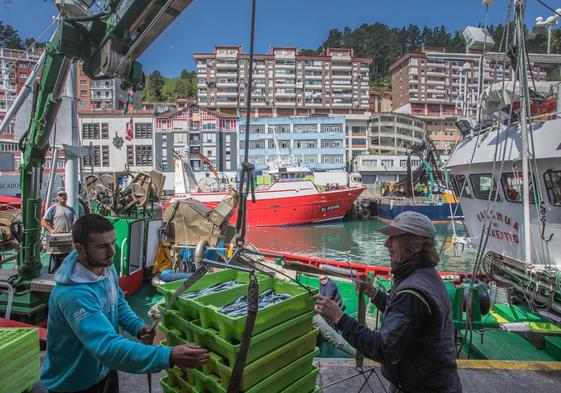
[[128, 132], [129, 102]]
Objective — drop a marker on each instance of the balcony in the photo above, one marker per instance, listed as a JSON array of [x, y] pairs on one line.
[[341, 67], [227, 66], [227, 94], [225, 74]]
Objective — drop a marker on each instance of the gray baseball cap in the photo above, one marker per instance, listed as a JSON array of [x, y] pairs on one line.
[[60, 190], [410, 222]]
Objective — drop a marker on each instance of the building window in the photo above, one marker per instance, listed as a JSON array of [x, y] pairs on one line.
[[130, 155], [94, 159], [90, 131], [105, 156], [104, 130], [553, 186], [143, 155], [387, 162], [143, 130], [484, 186]]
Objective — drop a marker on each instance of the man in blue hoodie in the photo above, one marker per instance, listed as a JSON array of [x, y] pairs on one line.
[[86, 309]]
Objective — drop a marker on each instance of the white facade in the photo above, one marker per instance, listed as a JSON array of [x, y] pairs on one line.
[[105, 132]]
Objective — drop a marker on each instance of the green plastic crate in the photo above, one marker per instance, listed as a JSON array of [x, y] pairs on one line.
[[260, 369], [167, 387], [300, 302], [275, 383], [517, 314], [173, 320], [24, 379], [261, 344], [306, 384], [175, 336], [553, 347], [14, 341], [184, 305], [177, 376]]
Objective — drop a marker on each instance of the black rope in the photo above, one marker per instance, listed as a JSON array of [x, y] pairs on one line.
[[247, 167]]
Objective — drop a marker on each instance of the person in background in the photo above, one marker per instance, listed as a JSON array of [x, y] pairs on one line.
[[415, 343], [86, 310], [60, 217], [329, 289]]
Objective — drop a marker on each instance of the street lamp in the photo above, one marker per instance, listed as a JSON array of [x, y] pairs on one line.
[[548, 23]]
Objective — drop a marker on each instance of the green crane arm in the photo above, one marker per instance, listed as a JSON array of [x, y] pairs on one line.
[[108, 45]]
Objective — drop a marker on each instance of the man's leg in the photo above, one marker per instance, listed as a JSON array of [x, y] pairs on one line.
[[111, 384]]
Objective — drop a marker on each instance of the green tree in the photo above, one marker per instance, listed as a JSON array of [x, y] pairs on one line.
[[9, 37], [153, 90]]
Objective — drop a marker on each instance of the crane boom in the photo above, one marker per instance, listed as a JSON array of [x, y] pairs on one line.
[[108, 45]]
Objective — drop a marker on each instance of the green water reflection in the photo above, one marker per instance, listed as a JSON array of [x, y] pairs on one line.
[[356, 241]]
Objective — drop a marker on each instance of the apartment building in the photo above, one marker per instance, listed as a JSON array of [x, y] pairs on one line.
[[316, 142], [15, 67], [440, 86], [102, 94], [393, 133], [192, 131], [105, 130], [285, 83]]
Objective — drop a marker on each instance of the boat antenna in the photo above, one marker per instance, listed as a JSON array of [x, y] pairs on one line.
[[247, 167]]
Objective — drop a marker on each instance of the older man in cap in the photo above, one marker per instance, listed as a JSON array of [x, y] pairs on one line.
[[415, 343], [59, 218]]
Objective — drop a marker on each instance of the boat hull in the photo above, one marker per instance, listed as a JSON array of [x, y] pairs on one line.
[[438, 213], [310, 208]]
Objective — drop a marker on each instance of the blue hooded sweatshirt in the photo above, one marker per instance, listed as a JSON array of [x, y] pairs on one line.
[[83, 340]]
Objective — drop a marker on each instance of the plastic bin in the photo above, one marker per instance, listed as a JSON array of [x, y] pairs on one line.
[[306, 384], [184, 305], [175, 336], [261, 344], [267, 365], [19, 359], [300, 302], [167, 387], [274, 383]]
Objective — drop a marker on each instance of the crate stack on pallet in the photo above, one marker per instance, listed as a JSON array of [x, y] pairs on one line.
[[19, 359], [283, 343]]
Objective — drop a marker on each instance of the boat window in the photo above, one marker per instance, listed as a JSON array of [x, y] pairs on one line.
[[512, 187], [461, 185], [483, 185], [553, 186]]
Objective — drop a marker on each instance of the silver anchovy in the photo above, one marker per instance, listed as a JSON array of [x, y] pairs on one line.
[[239, 307], [212, 289]]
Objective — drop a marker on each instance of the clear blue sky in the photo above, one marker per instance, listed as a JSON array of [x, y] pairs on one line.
[[294, 23]]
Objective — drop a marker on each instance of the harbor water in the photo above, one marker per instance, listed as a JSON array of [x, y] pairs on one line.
[[355, 241]]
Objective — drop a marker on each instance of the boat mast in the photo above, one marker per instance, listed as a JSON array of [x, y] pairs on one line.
[[520, 6]]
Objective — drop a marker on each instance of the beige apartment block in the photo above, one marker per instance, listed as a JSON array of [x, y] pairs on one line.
[[285, 83], [440, 87]]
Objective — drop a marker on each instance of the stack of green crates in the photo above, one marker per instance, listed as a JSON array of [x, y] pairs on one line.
[[19, 359], [283, 344]]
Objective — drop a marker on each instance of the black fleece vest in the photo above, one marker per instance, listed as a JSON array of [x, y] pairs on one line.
[[429, 364]]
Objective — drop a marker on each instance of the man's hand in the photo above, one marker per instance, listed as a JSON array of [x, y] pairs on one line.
[[146, 335], [328, 309], [188, 356], [366, 286]]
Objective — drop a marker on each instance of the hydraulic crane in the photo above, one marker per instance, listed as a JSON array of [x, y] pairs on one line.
[[107, 44]]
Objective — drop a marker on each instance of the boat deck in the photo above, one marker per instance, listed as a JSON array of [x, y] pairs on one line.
[[477, 376]]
